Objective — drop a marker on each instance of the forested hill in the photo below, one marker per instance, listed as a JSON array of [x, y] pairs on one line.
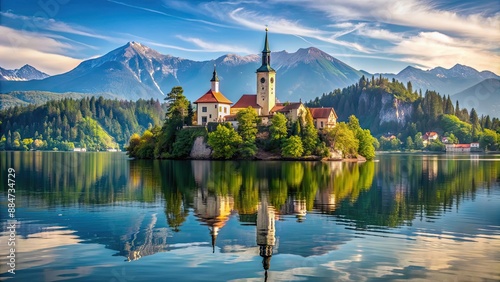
[[384, 106], [92, 123]]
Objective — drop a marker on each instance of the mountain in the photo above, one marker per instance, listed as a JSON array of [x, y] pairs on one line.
[[444, 81], [136, 71], [484, 97], [310, 72], [27, 72]]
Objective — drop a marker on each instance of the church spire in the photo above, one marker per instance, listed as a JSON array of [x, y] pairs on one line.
[[266, 57], [266, 44], [215, 77], [214, 81]]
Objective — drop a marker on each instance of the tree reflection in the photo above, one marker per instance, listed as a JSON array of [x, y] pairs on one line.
[[390, 193]]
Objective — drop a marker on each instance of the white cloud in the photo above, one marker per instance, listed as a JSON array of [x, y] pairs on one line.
[[284, 26], [36, 24], [381, 34], [411, 13], [432, 49], [214, 47], [18, 48], [174, 4]]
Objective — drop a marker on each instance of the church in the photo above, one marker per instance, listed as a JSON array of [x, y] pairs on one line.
[[213, 106]]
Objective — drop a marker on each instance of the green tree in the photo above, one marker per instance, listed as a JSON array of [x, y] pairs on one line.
[[146, 147], [177, 112], [354, 123], [27, 143], [462, 130], [296, 128], [409, 87], [309, 135], [247, 129], [188, 120], [292, 147], [177, 104], [366, 141], [436, 146], [452, 139], [247, 124], [489, 140], [476, 127], [366, 144], [224, 141], [342, 138], [278, 129], [409, 143]]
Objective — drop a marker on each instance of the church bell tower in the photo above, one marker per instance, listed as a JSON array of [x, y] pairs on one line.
[[266, 81]]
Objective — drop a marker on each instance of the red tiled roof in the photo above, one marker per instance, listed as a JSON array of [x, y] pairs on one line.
[[322, 112], [459, 145], [213, 97], [245, 101], [277, 107], [281, 108]]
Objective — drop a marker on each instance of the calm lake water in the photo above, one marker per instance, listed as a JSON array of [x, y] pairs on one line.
[[103, 217]]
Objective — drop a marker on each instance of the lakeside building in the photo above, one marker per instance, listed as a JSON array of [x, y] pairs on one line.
[[213, 106], [472, 147], [429, 137]]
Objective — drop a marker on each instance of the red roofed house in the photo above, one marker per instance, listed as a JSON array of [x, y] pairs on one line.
[[430, 136], [247, 100], [324, 117], [213, 106], [292, 111]]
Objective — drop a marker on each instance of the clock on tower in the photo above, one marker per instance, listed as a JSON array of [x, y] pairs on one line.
[[265, 81]]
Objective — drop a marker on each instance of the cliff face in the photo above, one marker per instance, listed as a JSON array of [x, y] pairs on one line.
[[384, 108], [200, 149], [394, 110]]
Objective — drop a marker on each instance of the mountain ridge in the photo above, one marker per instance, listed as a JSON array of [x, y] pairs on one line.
[[484, 97], [445, 81], [135, 71], [26, 72]]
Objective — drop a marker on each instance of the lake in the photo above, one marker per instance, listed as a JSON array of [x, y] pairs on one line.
[[104, 217]]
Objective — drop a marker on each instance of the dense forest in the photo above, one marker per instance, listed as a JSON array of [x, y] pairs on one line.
[[418, 113], [92, 123]]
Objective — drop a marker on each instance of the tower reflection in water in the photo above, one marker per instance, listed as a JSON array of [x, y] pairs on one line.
[[266, 230], [214, 211]]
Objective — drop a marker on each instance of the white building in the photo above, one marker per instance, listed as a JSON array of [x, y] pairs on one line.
[[213, 106]]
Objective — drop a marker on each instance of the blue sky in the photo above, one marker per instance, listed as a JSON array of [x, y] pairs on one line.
[[376, 36]]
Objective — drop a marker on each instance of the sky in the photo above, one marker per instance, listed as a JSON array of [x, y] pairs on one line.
[[376, 36]]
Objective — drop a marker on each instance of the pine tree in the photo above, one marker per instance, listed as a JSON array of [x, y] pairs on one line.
[[409, 87], [309, 134]]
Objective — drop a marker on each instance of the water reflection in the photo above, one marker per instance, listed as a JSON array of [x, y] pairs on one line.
[[138, 208]]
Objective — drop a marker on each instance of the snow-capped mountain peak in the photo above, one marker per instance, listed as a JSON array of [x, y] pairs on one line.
[[24, 73]]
